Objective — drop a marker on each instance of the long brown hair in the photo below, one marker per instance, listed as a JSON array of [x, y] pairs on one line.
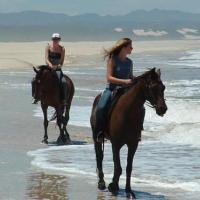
[[115, 50]]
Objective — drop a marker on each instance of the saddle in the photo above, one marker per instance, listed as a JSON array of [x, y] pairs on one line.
[[117, 93]]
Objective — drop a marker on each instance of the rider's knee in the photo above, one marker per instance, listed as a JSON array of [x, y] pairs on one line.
[[101, 107], [104, 100], [64, 81]]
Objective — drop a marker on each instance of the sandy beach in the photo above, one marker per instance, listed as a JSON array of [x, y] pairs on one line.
[[25, 55], [21, 129]]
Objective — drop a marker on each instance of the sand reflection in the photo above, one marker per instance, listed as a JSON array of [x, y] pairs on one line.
[[46, 186]]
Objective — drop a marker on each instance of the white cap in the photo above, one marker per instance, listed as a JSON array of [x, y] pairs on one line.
[[56, 35]]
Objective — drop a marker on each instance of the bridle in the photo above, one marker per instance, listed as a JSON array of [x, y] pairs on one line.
[[149, 94]]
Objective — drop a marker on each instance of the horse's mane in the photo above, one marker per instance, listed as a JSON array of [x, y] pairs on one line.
[[44, 67], [151, 71], [137, 79], [41, 68]]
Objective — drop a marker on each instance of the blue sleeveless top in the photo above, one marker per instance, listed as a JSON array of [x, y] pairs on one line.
[[122, 70]]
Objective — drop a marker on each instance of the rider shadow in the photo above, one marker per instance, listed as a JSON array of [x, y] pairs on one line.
[[55, 143], [138, 194]]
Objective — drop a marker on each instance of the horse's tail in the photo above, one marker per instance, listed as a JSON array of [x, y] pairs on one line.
[[70, 92]]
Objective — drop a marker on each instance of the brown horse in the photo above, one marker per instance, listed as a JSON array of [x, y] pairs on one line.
[[49, 93], [126, 123]]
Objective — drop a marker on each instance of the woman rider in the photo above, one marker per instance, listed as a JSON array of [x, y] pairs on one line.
[[54, 58], [119, 73]]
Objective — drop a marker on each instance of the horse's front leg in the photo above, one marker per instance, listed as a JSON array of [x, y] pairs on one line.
[[114, 186], [99, 159], [131, 152], [44, 109]]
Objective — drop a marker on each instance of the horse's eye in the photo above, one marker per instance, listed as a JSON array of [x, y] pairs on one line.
[[163, 87], [154, 86]]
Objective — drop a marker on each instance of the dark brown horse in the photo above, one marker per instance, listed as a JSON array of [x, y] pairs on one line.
[[49, 93], [125, 125]]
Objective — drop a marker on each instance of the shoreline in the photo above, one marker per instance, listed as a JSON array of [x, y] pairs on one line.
[[24, 55]]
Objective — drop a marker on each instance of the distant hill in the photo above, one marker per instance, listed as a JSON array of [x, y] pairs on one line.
[[140, 24]]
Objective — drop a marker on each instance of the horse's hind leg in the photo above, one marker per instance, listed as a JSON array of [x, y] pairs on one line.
[[44, 109], [66, 119], [99, 159], [131, 152], [61, 139], [114, 186]]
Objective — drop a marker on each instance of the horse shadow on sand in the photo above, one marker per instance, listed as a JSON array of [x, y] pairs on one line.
[[122, 195], [72, 142]]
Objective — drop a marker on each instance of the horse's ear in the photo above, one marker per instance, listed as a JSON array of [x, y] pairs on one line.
[[35, 70], [158, 72], [153, 69]]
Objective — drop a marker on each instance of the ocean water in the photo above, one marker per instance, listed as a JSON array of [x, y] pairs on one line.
[[166, 164]]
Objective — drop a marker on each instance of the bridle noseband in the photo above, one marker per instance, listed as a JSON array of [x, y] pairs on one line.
[[149, 95]]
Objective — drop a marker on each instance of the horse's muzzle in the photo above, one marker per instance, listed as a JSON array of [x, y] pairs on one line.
[[161, 110], [161, 107]]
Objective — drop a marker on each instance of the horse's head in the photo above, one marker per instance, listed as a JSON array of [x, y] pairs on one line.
[[154, 91], [41, 70], [40, 78]]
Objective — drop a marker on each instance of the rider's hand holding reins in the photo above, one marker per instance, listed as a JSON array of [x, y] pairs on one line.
[[128, 81], [55, 67]]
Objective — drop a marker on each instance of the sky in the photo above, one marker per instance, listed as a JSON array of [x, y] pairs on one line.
[[101, 7]]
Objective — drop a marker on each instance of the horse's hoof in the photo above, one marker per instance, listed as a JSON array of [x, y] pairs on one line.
[[102, 185], [113, 188], [60, 141], [63, 140], [130, 194], [68, 141], [45, 141]]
